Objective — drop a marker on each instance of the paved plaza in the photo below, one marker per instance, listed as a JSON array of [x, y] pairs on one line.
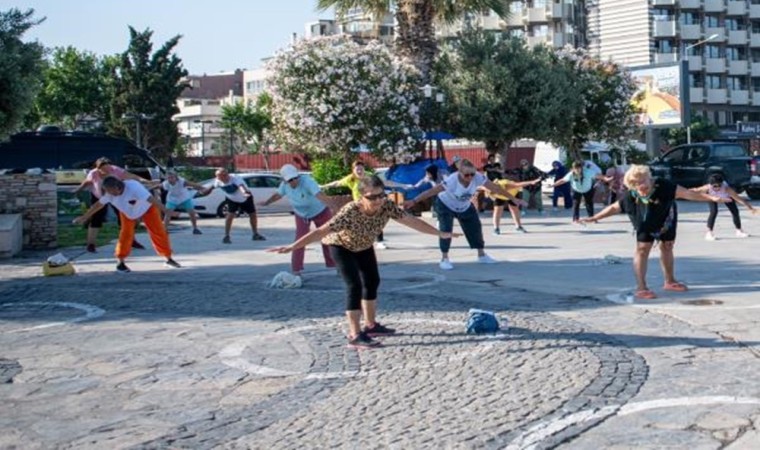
[[208, 356]]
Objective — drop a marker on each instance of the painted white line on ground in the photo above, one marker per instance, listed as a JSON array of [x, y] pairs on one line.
[[536, 434], [90, 312]]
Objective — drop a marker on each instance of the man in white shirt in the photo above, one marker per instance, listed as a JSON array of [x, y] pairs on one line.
[[239, 198], [134, 203], [177, 196]]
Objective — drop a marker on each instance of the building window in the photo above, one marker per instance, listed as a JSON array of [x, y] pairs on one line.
[[516, 8], [697, 80], [714, 51], [737, 83], [736, 24], [690, 18], [517, 32], [756, 84], [713, 21], [540, 30], [661, 15], [736, 53], [755, 56], [715, 82], [664, 46], [755, 26], [539, 3]]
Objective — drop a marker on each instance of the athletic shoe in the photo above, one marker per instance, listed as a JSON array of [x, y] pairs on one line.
[[172, 263], [709, 236], [445, 264], [380, 245], [378, 330], [258, 237], [741, 234], [485, 259], [496, 231], [226, 240], [363, 341], [91, 248], [520, 230], [122, 268], [196, 231], [138, 245]]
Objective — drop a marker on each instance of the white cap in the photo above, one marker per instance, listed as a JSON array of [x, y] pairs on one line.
[[288, 172]]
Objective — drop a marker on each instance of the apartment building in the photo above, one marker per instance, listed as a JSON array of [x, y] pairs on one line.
[[356, 23], [555, 23], [719, 38], [200, 110]]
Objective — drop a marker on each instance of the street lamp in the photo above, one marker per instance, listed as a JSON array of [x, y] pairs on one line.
[[138, 117], [686, 89], [203, 134], [427, 91]]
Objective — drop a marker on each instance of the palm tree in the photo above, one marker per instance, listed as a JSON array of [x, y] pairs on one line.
[[415, 22]]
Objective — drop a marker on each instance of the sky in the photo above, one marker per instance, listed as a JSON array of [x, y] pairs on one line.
[[218, 35]]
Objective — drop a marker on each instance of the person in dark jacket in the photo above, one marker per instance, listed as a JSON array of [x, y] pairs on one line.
[[558, 172], [529, 172]]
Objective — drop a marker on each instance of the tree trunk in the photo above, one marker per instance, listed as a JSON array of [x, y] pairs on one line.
[[415, 35]]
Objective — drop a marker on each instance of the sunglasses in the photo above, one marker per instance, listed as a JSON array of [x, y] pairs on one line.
[[293, 179], [468, 174], [373, 197]]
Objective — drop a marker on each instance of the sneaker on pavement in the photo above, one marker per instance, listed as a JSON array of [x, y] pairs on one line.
[[378, 330], [226, 240], [445, 264], [709, 236], [172, 263], [496, 231], [122, 268], [196, 231], [520, 230], [380, 245], [485, 259], [741, 234], [138, 245], [91, 248], [363, 341], [258, 237]]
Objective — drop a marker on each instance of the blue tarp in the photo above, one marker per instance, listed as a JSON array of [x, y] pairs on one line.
[[438, 136], [414, 172]]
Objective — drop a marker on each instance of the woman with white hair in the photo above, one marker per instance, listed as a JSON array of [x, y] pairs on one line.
[[651, 206]]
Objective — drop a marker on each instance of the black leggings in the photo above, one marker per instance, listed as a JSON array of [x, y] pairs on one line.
[[714, 213], [359, 272], [588, 198]]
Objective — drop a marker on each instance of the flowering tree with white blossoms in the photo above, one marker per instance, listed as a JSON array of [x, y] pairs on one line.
[[332, 95], [607, 89]]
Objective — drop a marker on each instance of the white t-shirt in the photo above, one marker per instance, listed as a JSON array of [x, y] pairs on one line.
[[133, 202], [176, 193], [457, 197], [231, 189]]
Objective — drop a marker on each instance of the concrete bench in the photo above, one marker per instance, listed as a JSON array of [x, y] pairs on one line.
[[11, 235]]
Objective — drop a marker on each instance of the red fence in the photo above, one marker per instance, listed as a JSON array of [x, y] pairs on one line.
[[477, 155]]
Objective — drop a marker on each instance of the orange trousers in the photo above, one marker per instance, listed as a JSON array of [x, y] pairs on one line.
[[156, 230]]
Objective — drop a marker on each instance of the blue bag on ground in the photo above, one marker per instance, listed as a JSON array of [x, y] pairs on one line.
[[481, 321]]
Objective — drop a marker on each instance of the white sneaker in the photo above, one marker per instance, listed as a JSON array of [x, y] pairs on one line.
[[709, 236], [485, 259], [380, 245], [445, 264], [741, 234]]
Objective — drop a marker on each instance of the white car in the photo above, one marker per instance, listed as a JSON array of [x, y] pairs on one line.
[[261, 184]]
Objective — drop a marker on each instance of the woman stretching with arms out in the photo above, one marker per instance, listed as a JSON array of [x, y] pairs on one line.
[[350, 235], [718, 187]]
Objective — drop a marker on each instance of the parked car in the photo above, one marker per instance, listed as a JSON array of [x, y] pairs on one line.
[[753, 190], [261, 184], [691, 165]]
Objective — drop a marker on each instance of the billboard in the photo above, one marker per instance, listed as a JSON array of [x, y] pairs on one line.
[[659, 95]]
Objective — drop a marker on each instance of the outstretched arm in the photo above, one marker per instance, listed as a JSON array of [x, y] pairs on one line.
[[274, 197], [97, 206], [611, 210], [308, 238], [740, 200], [420, 225], [685, 194], [493, 187], [701, 189], [425, 195]]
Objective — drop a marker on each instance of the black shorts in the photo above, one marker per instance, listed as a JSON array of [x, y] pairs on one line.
[[99, 218], [247, 206], [501, 202], [669, 235]]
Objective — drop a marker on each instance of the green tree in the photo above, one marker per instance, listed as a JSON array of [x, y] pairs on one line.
[[147, 83], [701, 130], [415, 40], [72, 88], [20, 68], [248, 123], [500, 91]]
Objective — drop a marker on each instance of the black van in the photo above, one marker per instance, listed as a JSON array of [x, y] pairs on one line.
[[51, 148]]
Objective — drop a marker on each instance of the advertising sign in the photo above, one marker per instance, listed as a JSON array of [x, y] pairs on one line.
[[659, 95]]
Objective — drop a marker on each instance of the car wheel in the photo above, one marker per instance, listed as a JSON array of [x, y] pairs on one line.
[[222, 210], [753, 193]]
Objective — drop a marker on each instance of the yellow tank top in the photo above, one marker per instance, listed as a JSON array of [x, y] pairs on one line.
[[510, 188]]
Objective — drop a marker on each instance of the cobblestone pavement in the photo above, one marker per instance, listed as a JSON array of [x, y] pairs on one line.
[[208, 356]]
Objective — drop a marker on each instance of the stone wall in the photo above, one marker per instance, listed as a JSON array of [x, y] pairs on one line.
[[34, 197]]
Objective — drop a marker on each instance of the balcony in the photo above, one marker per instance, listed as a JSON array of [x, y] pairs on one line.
[[715, 65], [559, 40], [663, 2], [720, 31], [755, 69], [754, 11], [691, 32], [756, 98], [491, 22], [533, 41], [737, 7], [695, 63], [715, 6], [717, 96], [558, 11], [738, 67], [515, 20], [691, 4], [739, 97], [536, 15], [738, 37], [697, 95], [664, 28], [754, 40], [662, 58]]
